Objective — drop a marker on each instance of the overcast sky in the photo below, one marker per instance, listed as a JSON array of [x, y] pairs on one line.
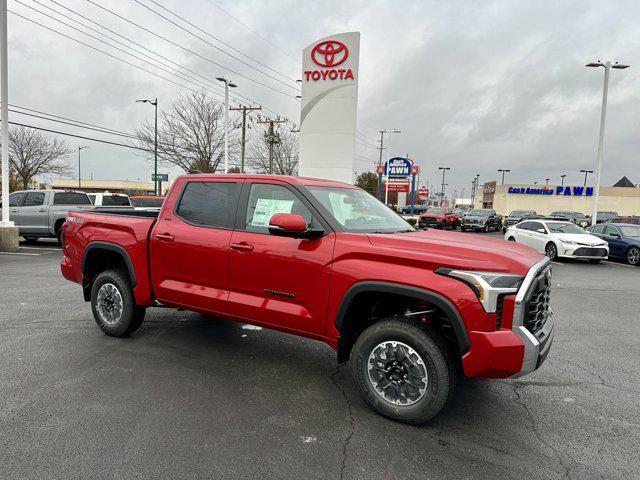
[[474, 86]]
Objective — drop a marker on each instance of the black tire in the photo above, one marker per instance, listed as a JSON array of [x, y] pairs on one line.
[[131, 316], [504, 230], [31, 240], [59, 233], [511, 239], [462, 229], [485, 229], [633, 256], [551, 251], [432, 351]]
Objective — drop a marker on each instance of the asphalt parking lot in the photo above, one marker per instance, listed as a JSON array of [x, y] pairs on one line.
[[195, 397]]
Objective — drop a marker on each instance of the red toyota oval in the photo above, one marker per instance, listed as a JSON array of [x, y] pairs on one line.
[[329, 53]]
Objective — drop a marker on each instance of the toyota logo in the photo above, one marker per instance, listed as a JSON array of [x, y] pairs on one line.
[[329, 53]]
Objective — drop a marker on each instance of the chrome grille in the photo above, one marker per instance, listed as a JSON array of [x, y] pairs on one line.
[[538, 309]]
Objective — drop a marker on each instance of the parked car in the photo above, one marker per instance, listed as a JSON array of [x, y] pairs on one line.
[[325, 260], [41, 213], [146, 201], [578, 218], [108, 199], [630, 219], [558, 239], [517, 216], [438, 217], [623, 240], [603, 216], [483, 219], [417, 209]]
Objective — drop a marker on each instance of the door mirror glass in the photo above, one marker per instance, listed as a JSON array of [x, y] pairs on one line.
[[614, 234], [287, 222]]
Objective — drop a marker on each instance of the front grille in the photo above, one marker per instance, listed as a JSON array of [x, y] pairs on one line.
[[590, 252], [537, 310]]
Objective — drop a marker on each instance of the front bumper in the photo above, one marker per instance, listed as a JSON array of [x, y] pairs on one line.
[[582, 252], [430, 223], [474, 226]]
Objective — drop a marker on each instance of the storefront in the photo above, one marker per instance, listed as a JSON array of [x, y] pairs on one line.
[[546, 199]]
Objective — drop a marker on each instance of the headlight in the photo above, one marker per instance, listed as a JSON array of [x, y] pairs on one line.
[[487, 286], [568, 242]]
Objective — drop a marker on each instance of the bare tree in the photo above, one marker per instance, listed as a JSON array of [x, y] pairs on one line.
[[190, 134], [31, 153], [285, 153]]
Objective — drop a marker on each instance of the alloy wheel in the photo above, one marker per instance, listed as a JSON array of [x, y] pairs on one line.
[[397, 373], [551, 251], [633, 256], [109, 304]]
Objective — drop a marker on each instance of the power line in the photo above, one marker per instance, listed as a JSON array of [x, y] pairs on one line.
[[297, 60], [189, 50], [134, 43], [224, 43], [82, 137]]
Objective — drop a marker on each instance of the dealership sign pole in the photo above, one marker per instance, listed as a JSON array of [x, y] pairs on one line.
[[329, 105]]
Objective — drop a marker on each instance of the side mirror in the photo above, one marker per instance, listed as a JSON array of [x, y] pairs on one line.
[[613, 234], [291, 224], [541, 230]]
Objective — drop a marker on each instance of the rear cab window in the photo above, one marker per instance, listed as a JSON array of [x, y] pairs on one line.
[[71, 198], [115, 200], [208, 204]]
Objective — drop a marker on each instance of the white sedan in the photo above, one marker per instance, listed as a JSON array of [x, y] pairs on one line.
[[558, 239]]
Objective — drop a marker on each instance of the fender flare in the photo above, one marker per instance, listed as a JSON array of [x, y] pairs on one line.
[[438, 300], [114, 248]]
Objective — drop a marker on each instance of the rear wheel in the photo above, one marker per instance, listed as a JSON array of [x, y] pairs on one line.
[[462, 229], [31, 240], [633, 256], [403, 371], [551, 251], [113, 305], [511, 239]]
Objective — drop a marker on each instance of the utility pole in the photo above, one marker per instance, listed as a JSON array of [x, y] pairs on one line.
[[272, 138], [79, 174], [4, 99], [155, 144], [444, 169], [244, 109]]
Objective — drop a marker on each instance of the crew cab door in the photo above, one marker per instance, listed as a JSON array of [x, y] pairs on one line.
[[538, 239], [613, 237], [276, 280], [189, 245], [33, 214]]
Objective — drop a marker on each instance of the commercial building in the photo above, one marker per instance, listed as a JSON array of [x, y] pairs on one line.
[[545, 199], [117, 186]]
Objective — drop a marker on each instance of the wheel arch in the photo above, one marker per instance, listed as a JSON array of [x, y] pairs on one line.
[[341, 320], [108, 255]]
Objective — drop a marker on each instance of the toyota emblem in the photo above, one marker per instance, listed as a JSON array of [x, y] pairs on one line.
[[329, 53]]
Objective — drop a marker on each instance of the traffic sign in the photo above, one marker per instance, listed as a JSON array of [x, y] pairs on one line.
[[161, 177]]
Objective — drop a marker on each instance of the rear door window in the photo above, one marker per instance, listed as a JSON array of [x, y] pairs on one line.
[[34, 199], [71, 198], [15, 199], [208, 204], [524, 226]]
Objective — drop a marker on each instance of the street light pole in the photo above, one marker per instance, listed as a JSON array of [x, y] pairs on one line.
[[227, 83], [4, 114], [79, 171], [563, 177], [586, 172], [503, 172], [547, 180], [444, 169], [607, 67], [155, 144]]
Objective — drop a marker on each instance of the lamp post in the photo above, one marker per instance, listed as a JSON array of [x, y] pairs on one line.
[[4, 116], [547, 180], [382, 132], [563, 177], [607, 67], [155, 145], [503, 172], [227, 83], [586, 172], [79, 174], [444, 170]]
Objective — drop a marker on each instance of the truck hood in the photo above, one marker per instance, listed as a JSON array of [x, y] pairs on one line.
[[433, 215], [460, 250]]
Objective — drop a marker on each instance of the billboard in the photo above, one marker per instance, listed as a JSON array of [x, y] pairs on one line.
[[329, 104]]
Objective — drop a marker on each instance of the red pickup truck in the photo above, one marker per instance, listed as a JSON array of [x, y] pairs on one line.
[[322, 259]]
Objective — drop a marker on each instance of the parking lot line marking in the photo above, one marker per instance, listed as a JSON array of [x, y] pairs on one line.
[[44, 249], [620, 264], [20, 253], [556, 263]]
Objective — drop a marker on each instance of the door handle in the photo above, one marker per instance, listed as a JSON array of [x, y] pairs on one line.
[[14, 210], [42, 210], [167, 237], [242, 247]]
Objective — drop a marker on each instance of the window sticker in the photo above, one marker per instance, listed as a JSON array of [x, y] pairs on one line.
[[266, 208]]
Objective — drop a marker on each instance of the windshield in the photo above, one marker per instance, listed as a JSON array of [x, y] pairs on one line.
[[562, 214], [606, 214], [564, 228], [435, 210], [479, 213], [520, 213], [630, 231], [358, 211]]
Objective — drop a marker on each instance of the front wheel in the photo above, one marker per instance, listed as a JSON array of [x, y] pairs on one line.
[[114, 308], [462, 229], [633, 256], [551, 251], [403, 371]]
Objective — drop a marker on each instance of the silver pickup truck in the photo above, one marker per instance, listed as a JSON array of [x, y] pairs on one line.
[[41, 213]]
